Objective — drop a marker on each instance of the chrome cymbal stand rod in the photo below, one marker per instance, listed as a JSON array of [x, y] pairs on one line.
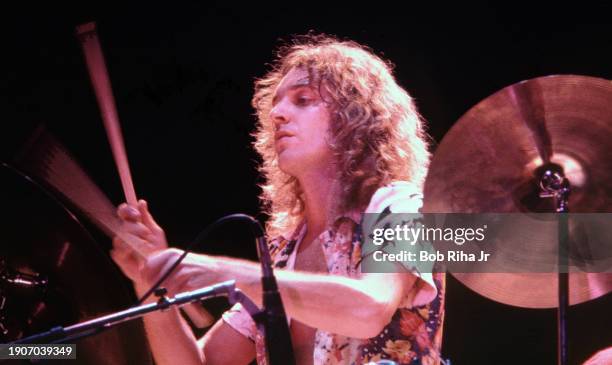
[[555, 185]]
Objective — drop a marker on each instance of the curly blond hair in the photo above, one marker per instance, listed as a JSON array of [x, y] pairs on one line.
[[376, 133]]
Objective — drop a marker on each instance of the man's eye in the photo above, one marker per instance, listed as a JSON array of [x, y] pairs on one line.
[[303, 100]]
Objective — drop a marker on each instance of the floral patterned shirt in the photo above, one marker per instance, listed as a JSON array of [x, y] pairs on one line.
[[414, 335]]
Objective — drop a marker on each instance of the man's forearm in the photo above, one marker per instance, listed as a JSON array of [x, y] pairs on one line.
[[342, 305], [170, 338]]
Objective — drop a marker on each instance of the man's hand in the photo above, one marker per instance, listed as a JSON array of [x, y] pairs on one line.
[[194, 272], [140, 229]]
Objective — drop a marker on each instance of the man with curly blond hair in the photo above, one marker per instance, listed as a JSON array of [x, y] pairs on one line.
[[338, 138]]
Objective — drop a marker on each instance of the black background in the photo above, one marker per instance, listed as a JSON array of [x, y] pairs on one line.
[[182, 75]]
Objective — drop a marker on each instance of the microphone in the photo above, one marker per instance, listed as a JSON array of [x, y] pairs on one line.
[[272, 320], [277, 337]]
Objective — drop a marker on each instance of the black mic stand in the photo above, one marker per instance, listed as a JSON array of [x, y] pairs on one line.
[[94, 326], [273, 320]]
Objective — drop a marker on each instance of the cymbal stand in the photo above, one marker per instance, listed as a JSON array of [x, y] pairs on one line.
[[554, 184]]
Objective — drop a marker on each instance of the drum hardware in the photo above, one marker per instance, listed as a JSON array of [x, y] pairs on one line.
[[537, 140]]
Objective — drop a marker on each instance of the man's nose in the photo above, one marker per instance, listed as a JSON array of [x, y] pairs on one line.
[[279, 113]]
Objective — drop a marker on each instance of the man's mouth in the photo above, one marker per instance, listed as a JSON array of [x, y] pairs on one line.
[[282, 134]]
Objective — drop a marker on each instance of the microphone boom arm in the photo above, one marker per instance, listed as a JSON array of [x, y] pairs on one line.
[[96, 325]]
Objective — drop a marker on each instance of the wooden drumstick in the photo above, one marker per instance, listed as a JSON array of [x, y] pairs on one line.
[[104, 94], [98, 75], [100, 81]]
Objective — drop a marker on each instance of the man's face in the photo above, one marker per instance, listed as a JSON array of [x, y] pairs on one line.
[[301, 118]]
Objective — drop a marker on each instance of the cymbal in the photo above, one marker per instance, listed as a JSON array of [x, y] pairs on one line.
[[535, 290], [53, 273], [490, 161]]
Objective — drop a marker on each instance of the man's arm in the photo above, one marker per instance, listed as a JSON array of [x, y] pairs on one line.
[[170, 337], [320, 301], [327, 302], [172, 342], [223, 345]]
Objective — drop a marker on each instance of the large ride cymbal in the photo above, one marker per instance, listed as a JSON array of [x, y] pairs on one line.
[[489, 163]]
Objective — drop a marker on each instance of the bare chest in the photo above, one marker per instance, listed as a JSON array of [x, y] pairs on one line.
[[309, 258]]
